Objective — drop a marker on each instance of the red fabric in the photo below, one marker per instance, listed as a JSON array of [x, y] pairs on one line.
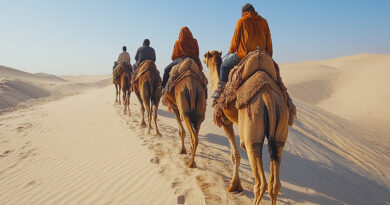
[[186, 45]]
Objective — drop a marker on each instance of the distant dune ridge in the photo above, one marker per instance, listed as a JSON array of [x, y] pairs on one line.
[[18, 86], [354, 87], [81, 149]]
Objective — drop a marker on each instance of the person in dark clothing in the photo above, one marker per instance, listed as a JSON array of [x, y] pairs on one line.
[[115, 65], [144, 52]]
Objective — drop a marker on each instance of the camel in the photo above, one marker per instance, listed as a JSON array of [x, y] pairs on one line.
[[124, 85], [187, 100], [147, 89], [266, 115]]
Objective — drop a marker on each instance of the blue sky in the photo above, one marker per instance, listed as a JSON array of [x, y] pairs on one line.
[[85, 37]]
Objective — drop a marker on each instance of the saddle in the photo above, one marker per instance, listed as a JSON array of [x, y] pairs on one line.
[[255, 72], [120, 68], [186, 68], [147, 65]]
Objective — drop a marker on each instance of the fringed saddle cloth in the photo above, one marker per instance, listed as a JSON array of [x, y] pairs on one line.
[[187, 68], [254, 72], [147, 65]]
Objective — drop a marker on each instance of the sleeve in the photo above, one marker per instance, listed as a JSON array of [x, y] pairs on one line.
[[268, 47], [137, 55], [153, 55], [236, 38]]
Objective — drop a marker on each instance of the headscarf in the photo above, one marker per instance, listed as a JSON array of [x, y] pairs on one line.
[[186, 45]]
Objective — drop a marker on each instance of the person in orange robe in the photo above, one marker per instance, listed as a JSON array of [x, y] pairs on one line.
[[185, 46], [251, 31]]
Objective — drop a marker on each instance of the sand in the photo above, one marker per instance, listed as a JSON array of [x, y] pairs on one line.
[[80, 148]]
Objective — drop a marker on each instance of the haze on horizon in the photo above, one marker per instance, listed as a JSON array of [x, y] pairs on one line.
[[73, 38]]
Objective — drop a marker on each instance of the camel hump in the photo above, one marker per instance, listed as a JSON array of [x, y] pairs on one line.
[[184, 65], [258, 61], [147, 65]]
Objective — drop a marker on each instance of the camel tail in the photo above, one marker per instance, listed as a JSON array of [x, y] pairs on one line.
[[151, 88], [126, 83], [191, 95], [269, 102]]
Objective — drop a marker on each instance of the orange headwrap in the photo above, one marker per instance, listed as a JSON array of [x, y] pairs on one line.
[[251, 31], [186, 45]]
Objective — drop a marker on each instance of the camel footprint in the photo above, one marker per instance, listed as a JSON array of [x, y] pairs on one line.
[[6, 153]]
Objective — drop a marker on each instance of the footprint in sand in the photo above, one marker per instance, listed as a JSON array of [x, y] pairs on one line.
[[34, 182], [155, 160], [181, 199], [175, 184], [6, 153], [27, 154]]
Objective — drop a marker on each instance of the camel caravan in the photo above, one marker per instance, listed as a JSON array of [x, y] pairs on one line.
[[247, 91]]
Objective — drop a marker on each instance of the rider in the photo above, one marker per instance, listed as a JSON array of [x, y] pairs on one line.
[[124, 57], [185, 46], [115, 65], [251, 31], [144, 53]]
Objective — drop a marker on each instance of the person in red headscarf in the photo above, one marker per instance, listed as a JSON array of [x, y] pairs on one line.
[[185, 46]]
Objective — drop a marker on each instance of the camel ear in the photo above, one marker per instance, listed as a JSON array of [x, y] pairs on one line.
[[207, 55]]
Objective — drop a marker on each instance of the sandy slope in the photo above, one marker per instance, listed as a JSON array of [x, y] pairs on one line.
[[354, 87], [18, 88], [77, 150], [82, 149]]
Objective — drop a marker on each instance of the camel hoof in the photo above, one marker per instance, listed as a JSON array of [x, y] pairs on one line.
[[158, 134], [235, 187], [143, 125], [183, 151], [191, 164]]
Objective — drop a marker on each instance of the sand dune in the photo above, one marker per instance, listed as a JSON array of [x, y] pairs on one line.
[[354, 87], [82, 149], [12, 92], [20, 88]]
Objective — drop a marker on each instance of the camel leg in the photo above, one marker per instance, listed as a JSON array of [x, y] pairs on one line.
[[194, 141], [182, 132], [149, 113], [274, 185], [281, 138], [155, 119], [124, 101], [143, 124], [252, 132], [128, 101], [116, 89], [119, 94], [192, 124], [235, 184]]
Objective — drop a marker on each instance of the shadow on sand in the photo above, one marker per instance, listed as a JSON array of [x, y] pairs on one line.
[[335, 184], [165, 113]]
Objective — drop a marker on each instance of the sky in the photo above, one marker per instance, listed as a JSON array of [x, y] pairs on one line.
[[85, 37]]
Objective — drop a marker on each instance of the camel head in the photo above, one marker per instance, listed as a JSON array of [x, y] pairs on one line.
[[213, 60]]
